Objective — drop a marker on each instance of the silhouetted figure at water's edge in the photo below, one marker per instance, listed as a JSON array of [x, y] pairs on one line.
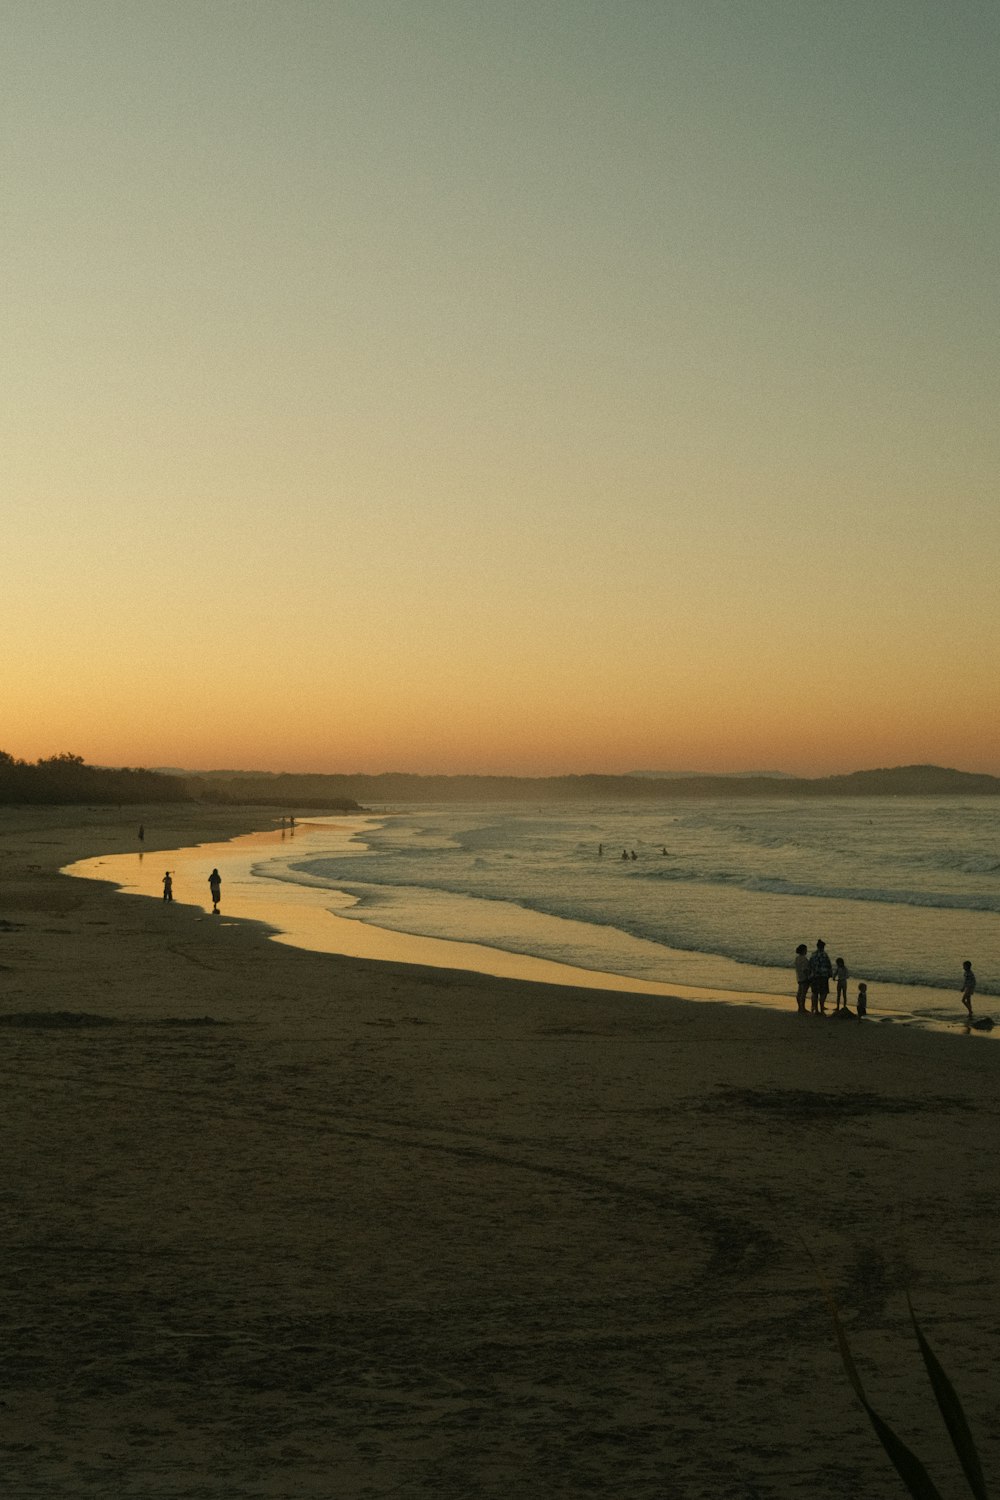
[[820, 969], [841, 975], [801, 977], [968, 986]]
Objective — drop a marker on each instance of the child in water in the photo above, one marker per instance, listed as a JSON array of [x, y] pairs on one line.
[[862, 1001], [841, 975]]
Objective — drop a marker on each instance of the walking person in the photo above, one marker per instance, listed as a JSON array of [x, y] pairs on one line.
[[968, 986], [820, 969], [215, 886], [801, 977], [168, 887], [841, 975]]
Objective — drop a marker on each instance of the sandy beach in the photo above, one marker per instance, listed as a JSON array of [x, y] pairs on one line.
[[279, 1223]]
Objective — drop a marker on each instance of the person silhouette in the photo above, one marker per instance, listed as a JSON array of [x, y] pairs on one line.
[[215, 886], [168, 887], [968, 985], [801, 976], [841, 975], [820, 970]]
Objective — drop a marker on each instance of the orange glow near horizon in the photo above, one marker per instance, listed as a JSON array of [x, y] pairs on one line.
[[484, 392], [743, 730]]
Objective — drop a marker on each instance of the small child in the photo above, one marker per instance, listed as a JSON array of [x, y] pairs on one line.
[[862, 1001], [841, 975], [168, 887]]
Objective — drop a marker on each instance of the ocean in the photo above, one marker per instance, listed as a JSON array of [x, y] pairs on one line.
[[718, 895]]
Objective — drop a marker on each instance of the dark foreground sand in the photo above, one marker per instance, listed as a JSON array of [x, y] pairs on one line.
[[378, 1231]]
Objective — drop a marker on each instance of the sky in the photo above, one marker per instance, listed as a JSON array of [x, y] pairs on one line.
[[528, 387]]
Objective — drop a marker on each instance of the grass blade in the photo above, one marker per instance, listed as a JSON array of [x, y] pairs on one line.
[[906, 1463], [951, 1410]]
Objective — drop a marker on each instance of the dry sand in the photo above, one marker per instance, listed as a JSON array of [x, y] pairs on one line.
[[281, 1224]]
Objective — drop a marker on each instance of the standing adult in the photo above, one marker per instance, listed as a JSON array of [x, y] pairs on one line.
[[801, 976], [168, 887], [968, 986], [215, 886], [820, 969]]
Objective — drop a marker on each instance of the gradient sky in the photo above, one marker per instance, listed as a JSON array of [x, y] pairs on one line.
[[533, 387]]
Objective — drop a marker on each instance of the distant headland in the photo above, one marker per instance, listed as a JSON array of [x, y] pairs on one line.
[[68, 779], [395, 787]]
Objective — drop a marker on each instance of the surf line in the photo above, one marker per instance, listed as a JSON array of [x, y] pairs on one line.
[[317, 918], [314, 918]]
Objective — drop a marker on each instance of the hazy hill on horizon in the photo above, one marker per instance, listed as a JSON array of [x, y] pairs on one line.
[[719, 775], [68, 779], [401, 786]]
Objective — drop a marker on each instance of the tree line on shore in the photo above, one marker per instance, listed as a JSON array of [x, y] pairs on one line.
[[68, 779]]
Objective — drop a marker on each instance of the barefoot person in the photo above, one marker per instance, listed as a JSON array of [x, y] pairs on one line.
[[968, 986], [215, 886], [168, 887]]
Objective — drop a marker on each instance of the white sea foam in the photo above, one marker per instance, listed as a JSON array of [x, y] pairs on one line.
[[905, 889]]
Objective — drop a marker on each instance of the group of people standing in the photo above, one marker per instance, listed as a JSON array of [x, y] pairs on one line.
[[214, 887], [814, 973]]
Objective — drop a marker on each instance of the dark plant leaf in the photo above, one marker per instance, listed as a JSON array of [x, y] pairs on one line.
[[906, 1463], [952, 1412]]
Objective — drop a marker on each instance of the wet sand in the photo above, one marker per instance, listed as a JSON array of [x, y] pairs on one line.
[[318, 919], [280, 1223], [325, 920]]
